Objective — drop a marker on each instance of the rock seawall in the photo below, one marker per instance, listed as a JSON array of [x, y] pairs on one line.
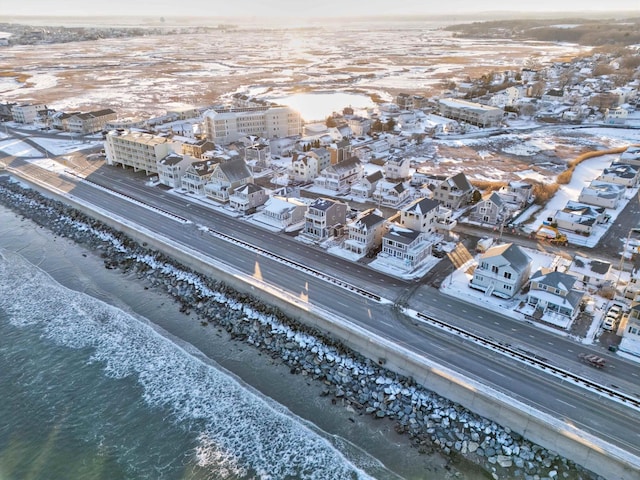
[[361, 385]]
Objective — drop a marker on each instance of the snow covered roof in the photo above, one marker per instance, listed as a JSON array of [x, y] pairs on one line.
[[512, 253]]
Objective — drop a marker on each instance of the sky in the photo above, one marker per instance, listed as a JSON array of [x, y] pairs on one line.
[[297, 8]]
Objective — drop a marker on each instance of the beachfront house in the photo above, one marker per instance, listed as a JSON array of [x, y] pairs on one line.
[[502, 271]]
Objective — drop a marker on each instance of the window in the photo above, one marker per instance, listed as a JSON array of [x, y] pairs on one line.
[[507, 275], [494, 269]]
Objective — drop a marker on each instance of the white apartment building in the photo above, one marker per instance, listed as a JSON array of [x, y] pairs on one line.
[[139, 150], [226, 126], [26, 112], [470, 112]]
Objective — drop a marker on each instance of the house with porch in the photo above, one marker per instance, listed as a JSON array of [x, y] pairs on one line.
[[340, 176], [420, 215], [406, 247], [517, 193], [247, 198], [226, 178], [324, 219], [172, 167], [391, 194], [197, 175], [366, 186], [282, 213], [502, 271], [365, 233], [554, 298]]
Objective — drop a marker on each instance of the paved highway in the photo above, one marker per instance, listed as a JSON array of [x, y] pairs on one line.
[[595, 414]]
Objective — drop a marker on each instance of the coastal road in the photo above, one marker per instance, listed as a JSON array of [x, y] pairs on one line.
[[592, 412]]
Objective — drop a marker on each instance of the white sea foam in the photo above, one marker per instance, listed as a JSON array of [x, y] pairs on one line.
[[239, 432]]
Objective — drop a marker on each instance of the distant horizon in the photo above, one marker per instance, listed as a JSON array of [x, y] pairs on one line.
[[284, 9]]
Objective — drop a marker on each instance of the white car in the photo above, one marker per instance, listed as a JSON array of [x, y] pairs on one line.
[[609, 323]]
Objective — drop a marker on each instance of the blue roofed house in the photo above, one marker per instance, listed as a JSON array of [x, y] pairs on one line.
[[502, 271], [553, 298]]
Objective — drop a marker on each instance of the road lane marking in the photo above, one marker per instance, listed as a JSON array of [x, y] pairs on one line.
[[497, 373], [567, 404]]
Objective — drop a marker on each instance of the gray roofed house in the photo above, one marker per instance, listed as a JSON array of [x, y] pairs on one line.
[[366, 186], [420, 215], [171, 168], [453, 192], [579, 217], [247, 198], [226, 177], [502, 271], [391, 194], [342, 175], [406, 246], [621, 174], [552, 298], [365, 233], [491, 210], [323, 218], [602, 194]]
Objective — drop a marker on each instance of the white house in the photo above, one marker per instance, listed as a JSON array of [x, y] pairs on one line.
[[246, 198], [391, 194], [421, 215], [367, 185], [341, 176], [502, 271], [405, 246], [602, 194], [554, 298], [593, 273], [517, 193], [365, 233], [624, 174], [579, 217], [397, 168], [172, 167], [282, 213]]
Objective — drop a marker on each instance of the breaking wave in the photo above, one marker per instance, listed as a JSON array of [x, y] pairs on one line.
[[240, 434]]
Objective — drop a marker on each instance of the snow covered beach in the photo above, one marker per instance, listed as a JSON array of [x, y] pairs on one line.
[[361, 385]]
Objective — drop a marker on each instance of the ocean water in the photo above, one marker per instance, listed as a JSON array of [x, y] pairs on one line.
[[94, 392]]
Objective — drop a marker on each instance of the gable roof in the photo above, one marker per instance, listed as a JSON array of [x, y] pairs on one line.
[[559, 280], [513, 254], [369, 220], [375, 176], [422, 206], [235, 169], [460, 181]]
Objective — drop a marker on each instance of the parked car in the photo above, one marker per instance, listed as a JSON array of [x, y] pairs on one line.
[[610, 322]]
